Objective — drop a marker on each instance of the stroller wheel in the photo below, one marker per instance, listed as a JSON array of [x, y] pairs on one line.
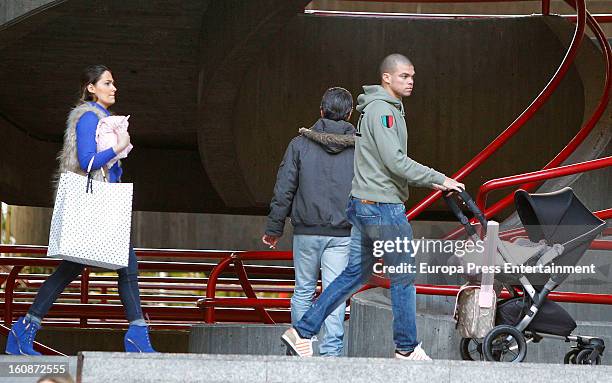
[[570, 357], [505, 344], [584, 357], [471, 349]]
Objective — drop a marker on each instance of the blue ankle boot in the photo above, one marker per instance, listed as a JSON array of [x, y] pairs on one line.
[[137, 339], [21, 338]]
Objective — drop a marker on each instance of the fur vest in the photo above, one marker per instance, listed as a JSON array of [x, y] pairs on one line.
[[67, 157]]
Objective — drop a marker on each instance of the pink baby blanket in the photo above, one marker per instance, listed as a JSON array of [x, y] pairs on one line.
[[106, 135]]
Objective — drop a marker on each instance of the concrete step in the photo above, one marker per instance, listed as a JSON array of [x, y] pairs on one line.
[[236, 338], [17, 369], [169, 368], [246, 339]]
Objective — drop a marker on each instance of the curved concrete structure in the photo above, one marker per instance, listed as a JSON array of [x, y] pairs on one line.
[[216, 90]]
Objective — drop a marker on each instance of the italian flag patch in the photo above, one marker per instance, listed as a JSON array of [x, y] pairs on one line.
[[387, 121]]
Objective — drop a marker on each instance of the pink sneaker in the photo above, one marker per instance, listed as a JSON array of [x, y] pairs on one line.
[[296, 345]]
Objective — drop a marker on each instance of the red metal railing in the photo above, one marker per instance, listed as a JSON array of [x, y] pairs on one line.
[[236, 260], [102, 283], [528, 113], [586, 129], [534, 106], [575, 142], [521, 119], [499, 183], [224, 308], [601, 18], [209, 303], [519, 179], [557, 296]]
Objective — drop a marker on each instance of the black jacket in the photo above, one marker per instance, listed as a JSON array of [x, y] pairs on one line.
[[314, 181]]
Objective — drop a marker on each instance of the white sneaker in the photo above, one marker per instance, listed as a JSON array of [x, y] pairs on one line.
[[417, 354], [297, 346]]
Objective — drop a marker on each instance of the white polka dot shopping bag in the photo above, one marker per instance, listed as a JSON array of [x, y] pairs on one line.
[[91, 222]]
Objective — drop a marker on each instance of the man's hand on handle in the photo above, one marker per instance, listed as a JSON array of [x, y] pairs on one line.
[[450, 185]]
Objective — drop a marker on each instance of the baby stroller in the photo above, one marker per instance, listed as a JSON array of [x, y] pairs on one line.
[[560, 230]]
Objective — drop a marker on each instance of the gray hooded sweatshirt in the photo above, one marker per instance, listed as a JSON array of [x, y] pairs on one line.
[[314, 181], [383, 169]]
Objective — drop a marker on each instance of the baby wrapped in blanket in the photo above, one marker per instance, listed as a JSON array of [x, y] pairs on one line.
[[106, 135]]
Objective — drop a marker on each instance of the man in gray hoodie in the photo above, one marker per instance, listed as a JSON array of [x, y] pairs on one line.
[[383, 172], [313, 184]]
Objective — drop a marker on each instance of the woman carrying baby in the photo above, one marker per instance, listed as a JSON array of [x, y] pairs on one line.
[[97, 95]]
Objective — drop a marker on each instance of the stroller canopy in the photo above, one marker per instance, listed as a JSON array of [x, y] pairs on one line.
[[557, 217]]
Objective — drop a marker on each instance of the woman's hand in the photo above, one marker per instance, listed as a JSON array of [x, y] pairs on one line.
[[123, 141]]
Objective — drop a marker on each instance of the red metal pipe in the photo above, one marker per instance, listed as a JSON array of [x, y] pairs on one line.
[[161, 266], [603, 299], [9, 289], [521, 119], [540, 175], [84, 292], [602, 18], [156, 253], [248, 290], [23, 249], [397, 15], [481, 198], [265, 255], [546, 7], [601, 245], [104, 291], [182, 253], [245, 302], [211, 288], [604, 214], [440, 1], [586, 129]]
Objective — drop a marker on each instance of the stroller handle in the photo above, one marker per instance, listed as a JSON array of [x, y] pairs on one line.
[[452, 204]]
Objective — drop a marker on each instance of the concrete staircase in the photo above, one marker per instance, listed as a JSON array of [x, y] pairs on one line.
[[98, 367]]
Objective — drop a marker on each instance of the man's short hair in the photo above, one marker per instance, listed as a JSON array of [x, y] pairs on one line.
[[391, 62], [336, 104]]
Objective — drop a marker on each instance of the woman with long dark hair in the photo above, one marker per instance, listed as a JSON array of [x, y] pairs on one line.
[[97, 94]]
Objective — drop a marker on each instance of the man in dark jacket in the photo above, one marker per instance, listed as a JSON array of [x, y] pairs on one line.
[[383, 172], [313, 185]]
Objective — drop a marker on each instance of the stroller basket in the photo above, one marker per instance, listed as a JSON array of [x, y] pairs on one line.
[[550, 319]]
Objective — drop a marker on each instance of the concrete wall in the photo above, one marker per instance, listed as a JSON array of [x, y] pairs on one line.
[[30, 225], [12, 9], [71, 341], [236, 89], [473, 79]]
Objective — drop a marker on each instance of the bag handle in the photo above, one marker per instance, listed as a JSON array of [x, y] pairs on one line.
[[90, 166], [89, 186]]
